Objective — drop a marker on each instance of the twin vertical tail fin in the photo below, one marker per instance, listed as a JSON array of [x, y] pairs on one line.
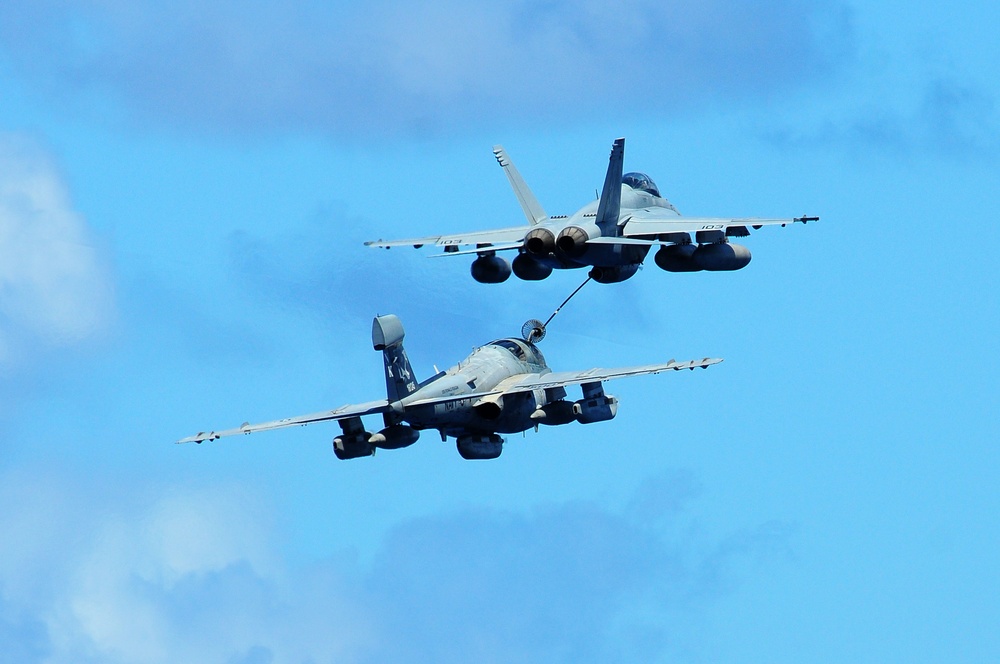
[[609, 207], [387, 336], [533, 211]]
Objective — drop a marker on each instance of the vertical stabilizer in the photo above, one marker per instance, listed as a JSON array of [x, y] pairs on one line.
[[609, 208], [532, 208], [387, 336]]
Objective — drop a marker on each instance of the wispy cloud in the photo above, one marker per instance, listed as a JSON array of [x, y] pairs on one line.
[[389, 67], [192, 574], [55, 287], [945, 118], [316, 271]]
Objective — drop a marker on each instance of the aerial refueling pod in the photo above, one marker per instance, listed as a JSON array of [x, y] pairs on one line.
[[613, 274], [722, 256], [539, 242], [595, 406], [395, 437], [527, 268], [480, 446], [490, 269]]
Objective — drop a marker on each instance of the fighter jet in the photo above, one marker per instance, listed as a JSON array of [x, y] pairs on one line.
[[502, 387], [611, 235]]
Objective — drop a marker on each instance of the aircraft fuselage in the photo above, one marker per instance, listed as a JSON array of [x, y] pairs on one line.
[[561, 242], [486, 368]]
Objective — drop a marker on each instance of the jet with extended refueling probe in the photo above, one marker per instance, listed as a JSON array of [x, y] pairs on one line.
[[504, 386]]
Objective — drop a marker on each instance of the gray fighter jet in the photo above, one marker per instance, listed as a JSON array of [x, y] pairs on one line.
[[502, 387], [611, 235]]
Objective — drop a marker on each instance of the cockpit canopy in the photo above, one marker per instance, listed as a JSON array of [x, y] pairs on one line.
[[521, 350], [642, 182]]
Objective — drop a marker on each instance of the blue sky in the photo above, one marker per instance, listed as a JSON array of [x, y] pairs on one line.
[[183, 197]]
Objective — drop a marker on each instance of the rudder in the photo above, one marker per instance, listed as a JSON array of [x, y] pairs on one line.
[[387, 336]]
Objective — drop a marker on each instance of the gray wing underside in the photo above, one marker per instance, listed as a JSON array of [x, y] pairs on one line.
[[564, 378], [498, 236], [641, 226], [529, 382], [344, 412]]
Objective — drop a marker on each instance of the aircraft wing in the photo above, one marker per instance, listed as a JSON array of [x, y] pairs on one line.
[[642, 226], [342, 413], [498, 236], [564, 378], [529, 382]]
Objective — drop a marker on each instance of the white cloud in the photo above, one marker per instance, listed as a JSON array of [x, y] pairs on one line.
[[168, 575], [54, 285], [193, 575]]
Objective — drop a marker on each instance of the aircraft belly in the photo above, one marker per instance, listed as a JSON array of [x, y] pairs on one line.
[[441, 415], [559, 261], [516, 414], [614, 255], [458, 417]]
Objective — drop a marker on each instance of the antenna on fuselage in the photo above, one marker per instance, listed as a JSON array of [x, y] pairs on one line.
[[533, 330]]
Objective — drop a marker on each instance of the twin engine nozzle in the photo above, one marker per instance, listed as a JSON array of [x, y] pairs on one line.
[[541, 242]]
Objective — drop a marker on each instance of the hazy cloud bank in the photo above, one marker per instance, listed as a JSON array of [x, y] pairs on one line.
[[188, 574], [388, 68]]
